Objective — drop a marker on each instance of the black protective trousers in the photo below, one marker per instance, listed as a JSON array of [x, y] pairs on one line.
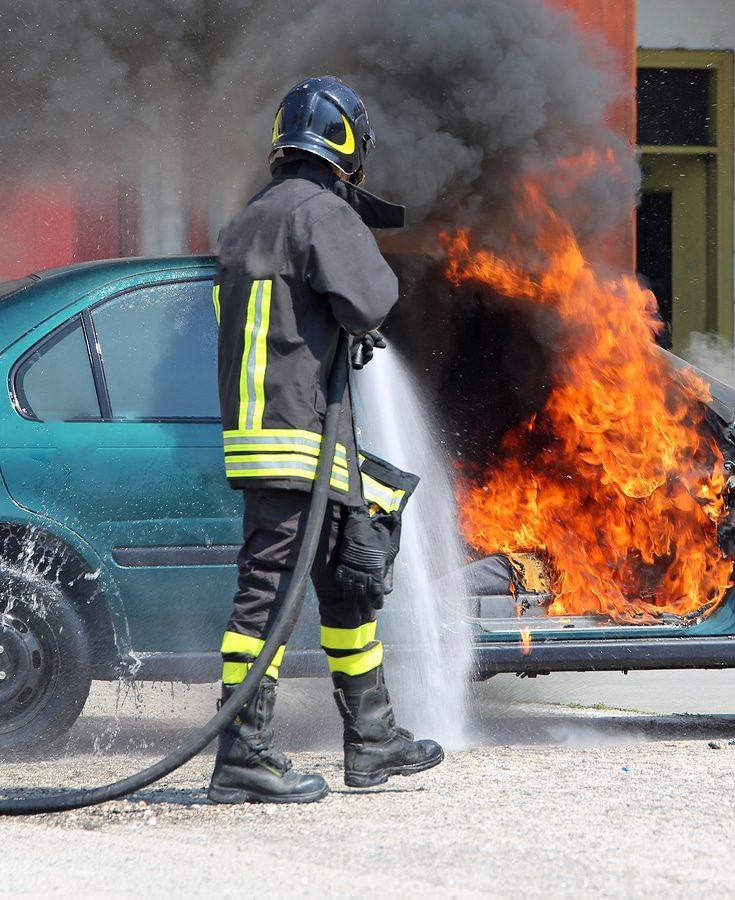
[[273, 527]]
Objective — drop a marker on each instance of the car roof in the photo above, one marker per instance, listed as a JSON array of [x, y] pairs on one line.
[[126, 265], [723, 395], [51, 290], [12, 287]]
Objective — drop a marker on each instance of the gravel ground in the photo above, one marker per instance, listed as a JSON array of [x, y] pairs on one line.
[[552, 802]]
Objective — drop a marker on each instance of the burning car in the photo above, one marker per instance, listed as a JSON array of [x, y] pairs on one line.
[[118, 532], [597, 513]]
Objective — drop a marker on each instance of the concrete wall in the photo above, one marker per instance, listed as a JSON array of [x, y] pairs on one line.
[[687, 25]]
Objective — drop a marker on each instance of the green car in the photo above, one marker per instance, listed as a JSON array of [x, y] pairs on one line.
[[118, 530]]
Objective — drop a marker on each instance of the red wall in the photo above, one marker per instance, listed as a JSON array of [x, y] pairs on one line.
[[617, 20], [37, 227], [52, 221]]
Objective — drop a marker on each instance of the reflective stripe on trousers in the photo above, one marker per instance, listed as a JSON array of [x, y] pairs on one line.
[[238, 654], [352, 651]]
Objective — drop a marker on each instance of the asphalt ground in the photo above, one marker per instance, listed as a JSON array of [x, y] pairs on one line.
[[552, 798]]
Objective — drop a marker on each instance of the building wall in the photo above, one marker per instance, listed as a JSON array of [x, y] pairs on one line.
[[687, 25], [54, 220], [616, 20]]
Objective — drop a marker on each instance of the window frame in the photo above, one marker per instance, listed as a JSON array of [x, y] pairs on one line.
[[96, 363], [720, 159]]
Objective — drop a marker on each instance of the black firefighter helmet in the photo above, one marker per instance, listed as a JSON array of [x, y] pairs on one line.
[[325, 117]]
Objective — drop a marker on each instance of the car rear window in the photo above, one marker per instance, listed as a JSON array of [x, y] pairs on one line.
[[55, 382]]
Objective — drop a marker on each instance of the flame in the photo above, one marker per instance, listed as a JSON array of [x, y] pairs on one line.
[[619, 479], [525, 641]]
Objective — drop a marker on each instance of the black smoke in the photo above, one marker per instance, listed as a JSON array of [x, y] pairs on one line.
[[465, 97], [176, 100]]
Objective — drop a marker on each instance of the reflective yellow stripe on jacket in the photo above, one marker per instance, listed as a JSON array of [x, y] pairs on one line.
[[252, 451], [215, 301], [255, 356], [280, 453], [386, 497]]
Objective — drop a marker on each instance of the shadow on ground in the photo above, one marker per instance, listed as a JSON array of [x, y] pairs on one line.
[[151, 721], [592, 727], [529, 724]]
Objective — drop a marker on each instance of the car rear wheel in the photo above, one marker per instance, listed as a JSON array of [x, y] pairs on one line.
[[45, 670]]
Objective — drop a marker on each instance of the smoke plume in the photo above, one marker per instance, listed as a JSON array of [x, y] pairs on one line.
[[712, 354], [464, 97]]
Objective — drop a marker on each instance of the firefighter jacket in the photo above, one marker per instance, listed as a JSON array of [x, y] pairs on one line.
[[295, 265]]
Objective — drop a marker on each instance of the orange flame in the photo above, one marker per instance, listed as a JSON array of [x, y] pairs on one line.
[[625, 494], [525, 641]]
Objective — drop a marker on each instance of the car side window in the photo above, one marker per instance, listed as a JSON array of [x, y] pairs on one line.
[[159, 346], [54, 382]]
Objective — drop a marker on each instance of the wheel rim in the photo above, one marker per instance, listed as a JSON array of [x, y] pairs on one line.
[[28, 665]]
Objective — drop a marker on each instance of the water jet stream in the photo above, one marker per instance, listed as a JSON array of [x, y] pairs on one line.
[[429, 681]]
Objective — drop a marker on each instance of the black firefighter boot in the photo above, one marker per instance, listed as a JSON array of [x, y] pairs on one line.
[[248, 769], [375, 748]]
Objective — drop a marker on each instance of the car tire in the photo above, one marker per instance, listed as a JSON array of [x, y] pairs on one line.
[[45, 665]]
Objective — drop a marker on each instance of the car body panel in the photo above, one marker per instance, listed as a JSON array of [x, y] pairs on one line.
[[127, 483], [720, 622], [15, 515], [126, 486]]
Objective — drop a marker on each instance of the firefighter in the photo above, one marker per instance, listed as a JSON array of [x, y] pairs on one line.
[[296, 265]]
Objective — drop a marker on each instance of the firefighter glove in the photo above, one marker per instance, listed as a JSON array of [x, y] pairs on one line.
[[368, 547], [362, 349], [361, 588]]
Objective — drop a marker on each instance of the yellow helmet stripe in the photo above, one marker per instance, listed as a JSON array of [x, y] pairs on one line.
[[277, 125], [348, 145]]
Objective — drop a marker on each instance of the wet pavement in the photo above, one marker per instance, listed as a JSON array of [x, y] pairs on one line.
[[551, 799], [563, 708]]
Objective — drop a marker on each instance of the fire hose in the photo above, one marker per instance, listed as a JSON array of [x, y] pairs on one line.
[[279, 634]]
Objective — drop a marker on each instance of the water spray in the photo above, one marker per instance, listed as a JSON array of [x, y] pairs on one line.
[[431, 681], [279, 634]]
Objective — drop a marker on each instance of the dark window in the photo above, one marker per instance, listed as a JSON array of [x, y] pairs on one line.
[[158, 347], [674, 107], [54, 383], [654, 253]]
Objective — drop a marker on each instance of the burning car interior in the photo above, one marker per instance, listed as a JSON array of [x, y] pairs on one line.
[[590, 465]]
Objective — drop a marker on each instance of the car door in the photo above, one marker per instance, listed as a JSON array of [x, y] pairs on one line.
[[126, 449]]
